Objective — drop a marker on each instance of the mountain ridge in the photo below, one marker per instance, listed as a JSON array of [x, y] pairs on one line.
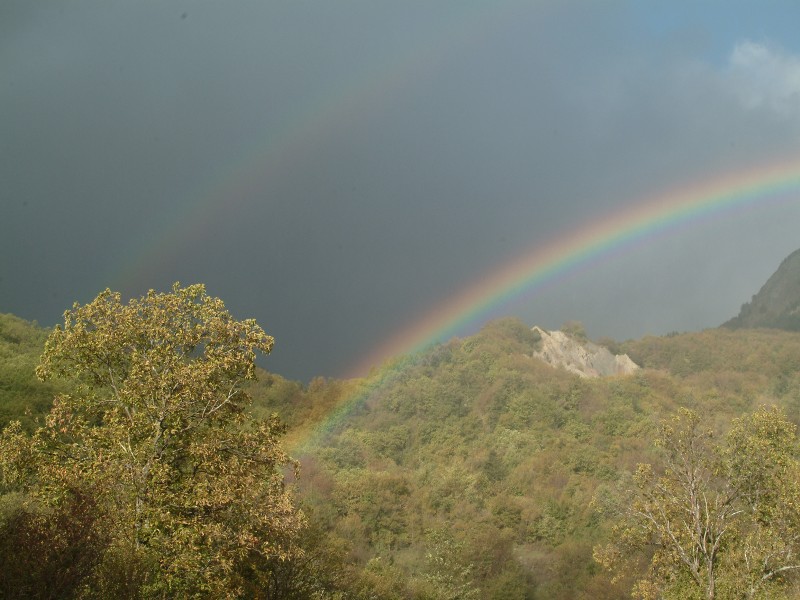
[[777, 303]]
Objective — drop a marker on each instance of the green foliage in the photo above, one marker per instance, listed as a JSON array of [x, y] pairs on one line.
[[22, 396], [49, 553], [446, 574], [185, 485], [576, 330], [505, 454], [518, 468], [722, 517]]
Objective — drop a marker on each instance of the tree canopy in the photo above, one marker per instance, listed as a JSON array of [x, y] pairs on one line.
[[187, 487], [721, 519]]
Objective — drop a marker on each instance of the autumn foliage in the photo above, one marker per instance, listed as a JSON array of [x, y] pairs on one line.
[[185, 486]]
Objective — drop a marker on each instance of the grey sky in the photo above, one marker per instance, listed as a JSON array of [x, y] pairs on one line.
[[337, 169]]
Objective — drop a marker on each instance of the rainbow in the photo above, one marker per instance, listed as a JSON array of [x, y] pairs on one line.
[[563, 255]]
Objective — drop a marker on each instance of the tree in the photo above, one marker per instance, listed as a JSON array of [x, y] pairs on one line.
[[187, 486], [48, 553], [719, 520], [446, 574], [576, 330]]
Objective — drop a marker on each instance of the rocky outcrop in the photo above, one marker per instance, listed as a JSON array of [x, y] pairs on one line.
[[585, 359]]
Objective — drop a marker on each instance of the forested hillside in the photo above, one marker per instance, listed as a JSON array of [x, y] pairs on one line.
[[777, 303], [22, 395], [475, 470]]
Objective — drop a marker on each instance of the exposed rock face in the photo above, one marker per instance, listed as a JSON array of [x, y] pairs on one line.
[[584, 359]]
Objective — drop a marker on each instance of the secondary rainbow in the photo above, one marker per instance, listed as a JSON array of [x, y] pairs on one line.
[[561, 256], [245, 177]]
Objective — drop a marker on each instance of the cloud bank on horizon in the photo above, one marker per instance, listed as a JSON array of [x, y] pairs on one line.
[[335, 170]]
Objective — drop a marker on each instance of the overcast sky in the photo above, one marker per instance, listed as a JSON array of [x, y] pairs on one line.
[[336, 169]]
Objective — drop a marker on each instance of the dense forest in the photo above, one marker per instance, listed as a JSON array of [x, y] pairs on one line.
[[468, 470]]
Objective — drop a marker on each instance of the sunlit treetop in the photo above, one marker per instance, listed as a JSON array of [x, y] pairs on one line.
[[178, 349]]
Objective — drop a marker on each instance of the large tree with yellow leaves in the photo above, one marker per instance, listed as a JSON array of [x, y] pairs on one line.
[[188, 489], [718, 518]]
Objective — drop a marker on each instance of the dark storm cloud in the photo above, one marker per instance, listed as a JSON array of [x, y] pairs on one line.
[[337, 169]]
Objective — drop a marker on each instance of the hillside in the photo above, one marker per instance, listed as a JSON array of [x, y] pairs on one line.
[[478, 448], [476, 469], [777, 304], [21, 343]]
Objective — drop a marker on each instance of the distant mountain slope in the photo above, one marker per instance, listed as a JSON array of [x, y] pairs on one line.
[[777, 304], [474, 450]]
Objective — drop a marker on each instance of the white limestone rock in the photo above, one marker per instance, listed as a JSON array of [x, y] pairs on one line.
[[585, 359]]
